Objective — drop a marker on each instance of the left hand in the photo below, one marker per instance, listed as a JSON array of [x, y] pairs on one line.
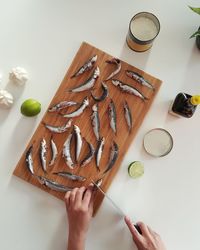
[[79, 205]]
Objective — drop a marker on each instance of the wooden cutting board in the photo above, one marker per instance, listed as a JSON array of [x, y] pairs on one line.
[[123, 138]]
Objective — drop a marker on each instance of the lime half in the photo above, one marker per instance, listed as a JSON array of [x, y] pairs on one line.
[[136, 169], [30, 107]]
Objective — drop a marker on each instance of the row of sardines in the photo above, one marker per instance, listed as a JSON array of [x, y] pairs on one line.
[[87, 85]]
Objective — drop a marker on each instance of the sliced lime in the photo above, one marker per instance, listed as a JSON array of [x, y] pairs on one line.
[[136, 169], [30, 107]]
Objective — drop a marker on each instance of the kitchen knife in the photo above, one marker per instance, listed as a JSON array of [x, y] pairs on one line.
[[115, 206]]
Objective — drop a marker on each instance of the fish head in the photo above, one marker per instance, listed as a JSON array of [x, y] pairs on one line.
[[69, 123], [117, 61], [103, 140], [96, 72], [94, 58], [95, 107], [86, 101], [41, 179], [76, 129], [129, 73], [104, 85], [115, 82]]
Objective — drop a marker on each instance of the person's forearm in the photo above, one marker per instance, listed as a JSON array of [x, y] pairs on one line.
[[76, 242]]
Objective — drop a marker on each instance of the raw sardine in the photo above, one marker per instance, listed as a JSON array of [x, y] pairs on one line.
[[54, 151], [79, 110], [95, 120], [128, 116], [140, 79], [59, 129], [117, 62], [99, 151], [112, 116], [129, 89], [78, 140], [29, 160], [70, 176], [53, 185], [67, 153], [61, 105], [89, 156], [43, 154], [88, 84], [104, 94], [86, 66], [113, 157]]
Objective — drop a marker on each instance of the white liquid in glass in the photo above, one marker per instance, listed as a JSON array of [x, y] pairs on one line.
[[143, 28]]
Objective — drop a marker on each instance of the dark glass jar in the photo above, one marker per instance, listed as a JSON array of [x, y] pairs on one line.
[[182, 106]]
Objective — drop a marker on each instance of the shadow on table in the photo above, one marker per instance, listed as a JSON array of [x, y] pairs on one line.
[[59, 240], [22, 131], [42, 204], [110, 230], [137, 59], [4, 112], [16, 91]]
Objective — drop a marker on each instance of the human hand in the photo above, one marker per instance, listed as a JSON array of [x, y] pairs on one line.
[[79, 205], [148, 240]]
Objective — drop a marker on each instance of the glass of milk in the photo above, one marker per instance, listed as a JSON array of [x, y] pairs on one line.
[[143, 29]]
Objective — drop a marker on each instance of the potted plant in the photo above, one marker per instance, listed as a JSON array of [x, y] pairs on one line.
[[197, 33]]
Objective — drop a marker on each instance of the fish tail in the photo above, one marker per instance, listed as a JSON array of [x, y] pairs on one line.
[[145, 98]]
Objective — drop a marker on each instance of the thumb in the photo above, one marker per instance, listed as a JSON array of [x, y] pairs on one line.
[[92, 192], [136, 236]]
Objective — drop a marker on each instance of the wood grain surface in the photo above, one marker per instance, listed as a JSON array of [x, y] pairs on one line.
[[123, 138]]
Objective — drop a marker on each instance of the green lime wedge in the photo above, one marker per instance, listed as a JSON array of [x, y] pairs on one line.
[[136, 169], [30, 107]]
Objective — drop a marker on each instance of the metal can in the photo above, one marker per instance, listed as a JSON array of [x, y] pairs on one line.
[[143, 29]]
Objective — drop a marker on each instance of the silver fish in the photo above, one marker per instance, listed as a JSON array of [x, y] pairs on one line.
[[54, 151], [79, 110], [86, 66], [61, 105], [99, 182], [53, 185], [95, 120], [29, 160], [59, 129], [43, 154], [113, 157], [128, 89], [88, 84], [128, 116], [104, 94], [99, 151], [79, 141], [117, 62], [70, 176], [89, 156], [140, 79], [112, 116], [67, 153]]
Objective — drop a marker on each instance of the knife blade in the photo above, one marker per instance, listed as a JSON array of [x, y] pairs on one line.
[[116, 206], [111, 200]]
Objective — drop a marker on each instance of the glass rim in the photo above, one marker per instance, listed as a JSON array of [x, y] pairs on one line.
[[144, 41], [167, 151]]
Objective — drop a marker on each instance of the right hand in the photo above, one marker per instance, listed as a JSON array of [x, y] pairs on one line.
[[148, 240]]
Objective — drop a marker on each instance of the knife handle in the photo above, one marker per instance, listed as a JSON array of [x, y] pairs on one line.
[[138, 228]]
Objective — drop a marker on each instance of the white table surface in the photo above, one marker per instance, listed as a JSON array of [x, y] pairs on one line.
[[43, 37]]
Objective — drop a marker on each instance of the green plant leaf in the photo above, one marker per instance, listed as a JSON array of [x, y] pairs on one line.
[[197, 33], [196, 10]]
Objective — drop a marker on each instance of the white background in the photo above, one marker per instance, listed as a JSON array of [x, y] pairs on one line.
[[43, 36]]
